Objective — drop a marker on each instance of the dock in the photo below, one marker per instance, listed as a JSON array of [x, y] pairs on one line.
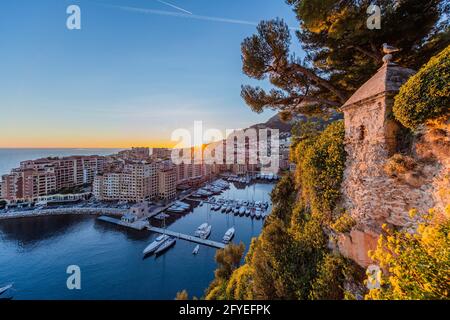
[[138, 225], [209, 243], [141, 225]]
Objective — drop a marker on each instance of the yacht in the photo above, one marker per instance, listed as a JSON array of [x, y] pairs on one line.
[[206, 232], [201, 229], [152, 247], [229, 209], [247, 212], [236, 211], [258, 213], [252, 213], [166, 245], [242, 211], [229, 235], [224, 208]]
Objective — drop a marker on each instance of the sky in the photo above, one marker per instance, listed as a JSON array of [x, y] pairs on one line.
[[135, 72]]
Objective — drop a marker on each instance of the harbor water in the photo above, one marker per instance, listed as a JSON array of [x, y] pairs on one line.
[[35, 253]]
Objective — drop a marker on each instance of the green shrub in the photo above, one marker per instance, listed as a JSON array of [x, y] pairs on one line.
[[426, 95], [321, 164], [344, 223]]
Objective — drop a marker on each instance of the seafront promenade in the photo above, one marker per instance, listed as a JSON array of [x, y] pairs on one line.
[[63, 211]]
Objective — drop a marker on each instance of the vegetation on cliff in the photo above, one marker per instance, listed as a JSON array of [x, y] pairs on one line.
[[426, 95], [416, 264], [291, 259]]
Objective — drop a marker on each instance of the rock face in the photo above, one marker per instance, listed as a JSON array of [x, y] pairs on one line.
[[369, 195]]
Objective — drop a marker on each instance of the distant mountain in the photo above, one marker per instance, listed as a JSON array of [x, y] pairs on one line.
[[276, 123]]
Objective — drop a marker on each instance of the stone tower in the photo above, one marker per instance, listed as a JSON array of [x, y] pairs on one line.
[[369, 195]]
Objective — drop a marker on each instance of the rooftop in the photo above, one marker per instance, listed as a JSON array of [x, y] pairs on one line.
[[389, 78]]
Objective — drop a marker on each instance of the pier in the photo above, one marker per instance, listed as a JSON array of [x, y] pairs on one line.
[[209, 243], [137, 225], [141, 225]]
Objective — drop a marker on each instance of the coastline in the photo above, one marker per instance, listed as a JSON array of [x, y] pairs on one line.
[[62, 211]]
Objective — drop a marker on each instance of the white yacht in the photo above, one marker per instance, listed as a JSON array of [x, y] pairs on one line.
[[201, 229], [166, 245], [155, 244], [206, 232], [229, 235]]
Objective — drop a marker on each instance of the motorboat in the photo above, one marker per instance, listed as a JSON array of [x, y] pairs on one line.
[[152, 247], [242, 211], [252, 213], [229, 209], [258, 213], [224, 208], [206, 233], [229, 235], [166, 245], [196, 249], [201, 229], [247, 212], [236, 211]]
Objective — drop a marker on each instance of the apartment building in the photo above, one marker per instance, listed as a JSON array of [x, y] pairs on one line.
[[35, 178], [167, 182], [134, 182]]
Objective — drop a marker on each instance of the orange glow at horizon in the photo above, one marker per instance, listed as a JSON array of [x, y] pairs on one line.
[[89, 144]]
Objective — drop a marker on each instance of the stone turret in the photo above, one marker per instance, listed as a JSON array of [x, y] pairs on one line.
[[370, 196]]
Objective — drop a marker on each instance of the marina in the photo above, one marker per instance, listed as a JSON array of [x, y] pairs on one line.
[[111, 257], [241, 208]]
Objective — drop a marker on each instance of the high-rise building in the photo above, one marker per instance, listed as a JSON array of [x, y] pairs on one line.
[[167, 183], [46, 176], [135, 182]]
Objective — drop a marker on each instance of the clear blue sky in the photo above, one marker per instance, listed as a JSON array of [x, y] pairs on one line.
[[128, 77]]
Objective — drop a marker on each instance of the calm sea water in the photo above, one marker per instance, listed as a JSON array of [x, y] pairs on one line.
[[11, 158], [35, 252]]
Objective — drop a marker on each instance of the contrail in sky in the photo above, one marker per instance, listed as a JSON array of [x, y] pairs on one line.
[[174, 6], [186, 15]]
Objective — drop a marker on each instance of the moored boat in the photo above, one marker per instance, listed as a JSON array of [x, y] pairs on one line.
[[229, 235], [166, 245], [206, 233], [196, 249], [152, 247]]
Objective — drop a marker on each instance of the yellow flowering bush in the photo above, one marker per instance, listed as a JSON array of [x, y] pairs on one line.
[[415, 265]]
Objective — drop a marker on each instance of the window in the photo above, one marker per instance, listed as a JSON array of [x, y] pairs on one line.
[[362, 132]]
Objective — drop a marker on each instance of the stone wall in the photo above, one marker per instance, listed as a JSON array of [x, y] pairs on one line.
[[372, 196]]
